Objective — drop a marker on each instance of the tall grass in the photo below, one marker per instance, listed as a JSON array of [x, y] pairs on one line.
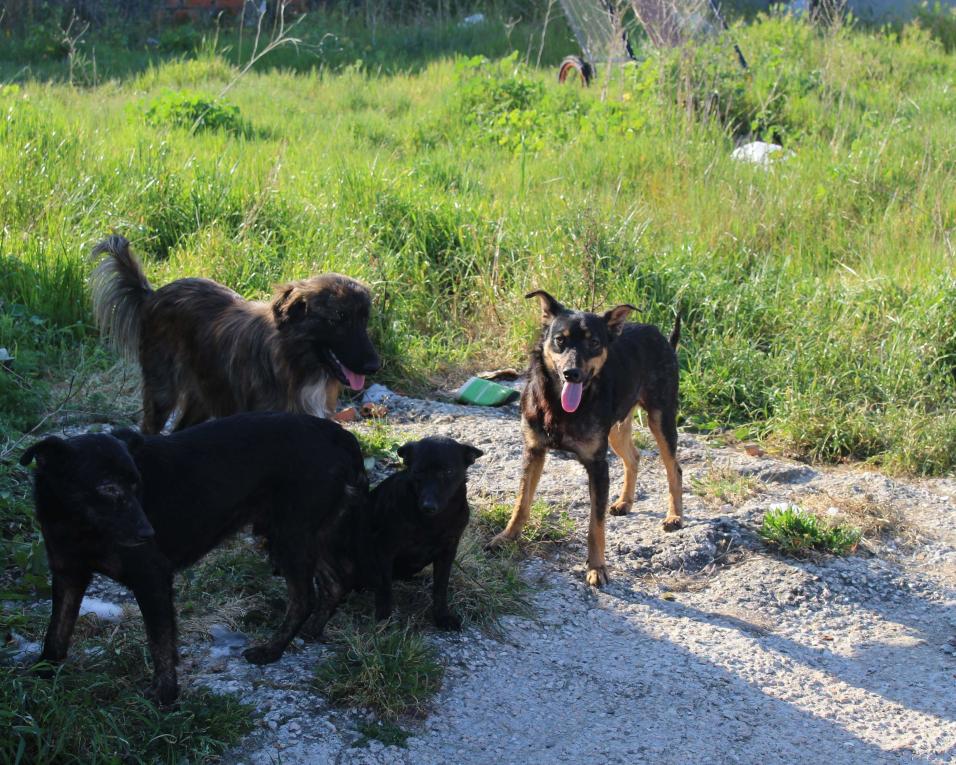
[[818, 296]]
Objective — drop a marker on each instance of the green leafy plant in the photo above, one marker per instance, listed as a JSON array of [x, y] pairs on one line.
[[795, 531], [193, 111]]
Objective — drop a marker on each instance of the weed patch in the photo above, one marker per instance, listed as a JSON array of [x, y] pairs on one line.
[[93, 709], [796, 531], [545, 525], [193, 111], [723, 485], [384, 667]]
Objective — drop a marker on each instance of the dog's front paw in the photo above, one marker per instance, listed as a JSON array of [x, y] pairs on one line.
[[448, 621], [673, 522], [163, 691], [620, 508], [597, 577], [499, 540], [261, 654]]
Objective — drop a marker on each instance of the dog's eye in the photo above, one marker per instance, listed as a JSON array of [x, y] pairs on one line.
[[109, 490], [594, 343], [559, 342]]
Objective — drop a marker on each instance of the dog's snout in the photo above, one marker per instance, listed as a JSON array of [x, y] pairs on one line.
[[371, 367], [573, 375]]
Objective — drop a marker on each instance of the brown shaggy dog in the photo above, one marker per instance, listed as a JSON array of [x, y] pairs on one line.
[[210, 353]]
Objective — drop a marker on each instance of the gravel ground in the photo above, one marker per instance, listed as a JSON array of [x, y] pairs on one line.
[[705, 647]]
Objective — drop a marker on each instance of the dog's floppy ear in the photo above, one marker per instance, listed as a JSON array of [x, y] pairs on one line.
[[407, 452], [289, 303], [133, 439], [44, 450], [615, 318], [549, 306], [470, 453]]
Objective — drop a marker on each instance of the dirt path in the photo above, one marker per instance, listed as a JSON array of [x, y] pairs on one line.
[[704, 648]]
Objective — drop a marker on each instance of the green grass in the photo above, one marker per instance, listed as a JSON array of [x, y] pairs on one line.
[[722, 485], [545, 524], [796, 531], [385, 731], [377, 440], [384, 667], [817, 297], [93, 708]]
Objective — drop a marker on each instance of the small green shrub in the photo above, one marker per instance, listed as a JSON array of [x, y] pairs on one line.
[[377, 440], [795, 531], [193, 111], [387, 668]]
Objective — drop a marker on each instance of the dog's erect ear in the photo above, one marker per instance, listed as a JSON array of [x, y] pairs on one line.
[[44, 450], [289, 303], [133, 439], [615, 318], [407, 452], [549, 306], [470, 453]]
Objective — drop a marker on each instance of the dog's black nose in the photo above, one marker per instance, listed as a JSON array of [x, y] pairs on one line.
[[429, 505], [572, 375], [370, 367]]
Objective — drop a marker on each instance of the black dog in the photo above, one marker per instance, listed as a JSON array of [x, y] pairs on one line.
[[413, 518], [587, 374], [138, 509]]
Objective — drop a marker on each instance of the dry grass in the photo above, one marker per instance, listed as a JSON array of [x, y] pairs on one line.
[[876, 520], [722, 485]]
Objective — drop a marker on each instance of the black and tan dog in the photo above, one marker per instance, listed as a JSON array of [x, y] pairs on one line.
[[413, 518], [209, 352], [587, 375], [137, 509]]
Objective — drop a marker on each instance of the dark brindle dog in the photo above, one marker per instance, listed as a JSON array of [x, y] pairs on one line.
[[206, 350], [587, 374], [137, 509], [413, 518]]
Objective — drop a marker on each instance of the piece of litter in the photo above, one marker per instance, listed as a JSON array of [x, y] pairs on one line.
[[101, 609], [5, 355], [485, 393], [346, 415], [473, 19], [369, 463], [225, 642], [760, 153], [753, 450], [374, 411]]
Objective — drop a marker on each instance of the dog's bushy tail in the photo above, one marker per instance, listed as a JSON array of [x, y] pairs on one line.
[[120, 289], [675, 333]]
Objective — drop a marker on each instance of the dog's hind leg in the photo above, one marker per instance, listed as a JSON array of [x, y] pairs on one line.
[[296, 558], [622, 443], [663, 424], [159, 395], [530, 475], [154, 594], [68, 592], [192, 414]]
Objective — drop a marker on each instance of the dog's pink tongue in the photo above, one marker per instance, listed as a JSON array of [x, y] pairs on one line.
[[356, 382], [571, 396]]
